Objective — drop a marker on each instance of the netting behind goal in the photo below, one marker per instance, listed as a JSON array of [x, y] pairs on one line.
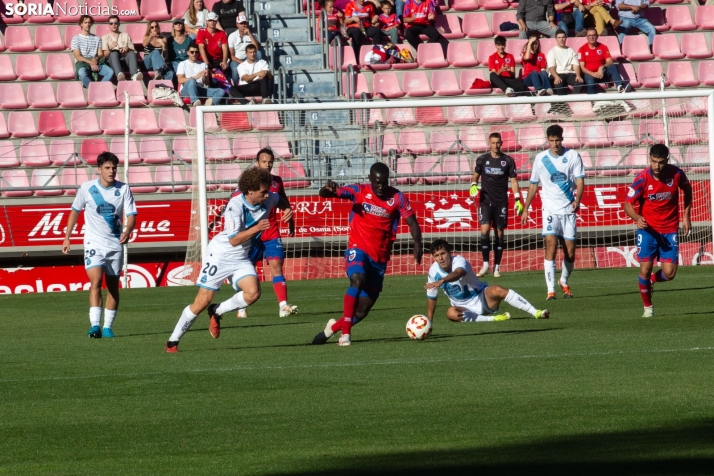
[[431, 146]]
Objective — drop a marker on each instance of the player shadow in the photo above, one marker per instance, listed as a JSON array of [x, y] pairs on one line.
[[657, 290], [444, 337], [204, 329], [684, 448]]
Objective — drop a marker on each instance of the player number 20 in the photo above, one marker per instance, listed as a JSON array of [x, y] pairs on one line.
[[210, 270]]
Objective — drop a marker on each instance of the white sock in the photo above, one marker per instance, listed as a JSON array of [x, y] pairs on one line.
[[184, 324], [549, 266], [517, 301], [109, 315], [473, 317], [497, 267], [95, 316], [236, 302], [485, 264], [282, 304], [565, 272]]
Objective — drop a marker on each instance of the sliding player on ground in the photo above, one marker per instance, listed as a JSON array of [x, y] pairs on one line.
[[495, 169], [471, 300], [105, 201], [562, 175], [373, 229], [228, 254], [653, 203]]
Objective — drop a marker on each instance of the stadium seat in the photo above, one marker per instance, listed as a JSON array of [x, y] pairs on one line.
[[91, 148], [289, 171], [508, 136], [473, 139], [532, 137], [59, 67], [112, 121], [386, 85], [622, 134], [136, 33], [71, 95], [679, 18], [125, 6], [608, 159], [590, 170], [416, 84], [41, 95], [504, 24], [211, 187], [431, 55], [461, 115], [218, 149], [10, 20], [636, 48], [476, 25], [172, 120], [154, 11], [8, 154], [570, 136], [229, 171], [705, 73], [450, 25], [612, 44], [235, 121], [152, 150], [71, 12], [71, 179], [457, 168], [279, 143], [594, 134], [464, 5], [430, 116], [62, 152], [695, 106], [681, 74], [467, 78], [360, 86], [18, 39], [519, 112], [136, 93], [582, 110], [655, 15], [694, 46], [143, 121], [493, 4], [637, 160], [247, 147], [406, 65], [444, 141], [650, 75], [6, 70], [101, 94], [413, 141], [12, 96], [210, 122], [515, 47], [169, 175], [100, 6], [84, 123], [265, 121], [388, 143], [682, 131], [178, 8], [70, 31], [183, 150], [158, 102], [21, 124], [460, 55], [16, 179], [348, 58], [547, 44], [490, 114], [575, 42], [39, 15], [48, 38], [704, 17], [484, 49], [46, 178], [403, 116], [666, 47], [52, 124], [428, 169], [404, 166], [116, 147], [142, 177], [697, 155], [523, 166], [627, 71], [651, 131], [4, 134]]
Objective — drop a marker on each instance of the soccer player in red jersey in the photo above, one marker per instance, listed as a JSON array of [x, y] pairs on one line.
[[653, 203], [270, 246], [373, 229]]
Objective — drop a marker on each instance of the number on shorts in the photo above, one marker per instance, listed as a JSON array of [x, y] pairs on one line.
[[89, 252], [210, 270], [639, 240]]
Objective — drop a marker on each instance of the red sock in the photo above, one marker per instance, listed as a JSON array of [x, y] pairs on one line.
[[658, 277], [645, 291], [281, 288], [349, 307]]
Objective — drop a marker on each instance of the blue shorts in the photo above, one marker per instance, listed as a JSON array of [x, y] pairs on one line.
[[652, 245], [270, 250], [357, 261]]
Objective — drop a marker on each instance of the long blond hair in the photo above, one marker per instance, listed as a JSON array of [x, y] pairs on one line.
[[192, 17]]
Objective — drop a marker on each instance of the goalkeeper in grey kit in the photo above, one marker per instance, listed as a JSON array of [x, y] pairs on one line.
[[495, 169]]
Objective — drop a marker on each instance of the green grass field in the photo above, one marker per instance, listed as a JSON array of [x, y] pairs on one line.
[[594, 390]]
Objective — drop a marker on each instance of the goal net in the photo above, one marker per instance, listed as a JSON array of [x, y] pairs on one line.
[[430, 146]]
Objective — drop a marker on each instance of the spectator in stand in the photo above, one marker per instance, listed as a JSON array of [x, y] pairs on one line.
[[213, 44], [388, 22], [254, 78], [228, 12], [89, 63], [194, 76], [179, 43], [533, 69], [156, 52], [569, 14], [502, 66], [195, 17], [335, 18], [419, 16], [237, 43], [631, 15], [538, 15], [358, 18], [597, 66], [118, 47], [564, 67], [597, 14]]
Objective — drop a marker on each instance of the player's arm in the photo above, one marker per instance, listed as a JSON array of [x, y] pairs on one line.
[[686, 222], [245, 235], [130, 223], [71, 222], [415, 231], [639, 219], [329, 190], [430, 307], [579, 189], [532, 189], [284, 205], [455, 275], [290, 219], [516, 189]]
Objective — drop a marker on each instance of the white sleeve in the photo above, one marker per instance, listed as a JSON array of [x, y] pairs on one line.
[[459, 262], [181, 68], [232, 40], [432, 293], [80, 199], [550, 58], [233, 219], [535, 174], [129, 205], [241, 70], [574, 59], [578, 167], [263, 65]]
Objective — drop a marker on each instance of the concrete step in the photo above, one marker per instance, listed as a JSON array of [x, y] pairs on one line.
[[283, 21], [285, 34], [273, 7], [301, 61], [297, 48], [315, 83]]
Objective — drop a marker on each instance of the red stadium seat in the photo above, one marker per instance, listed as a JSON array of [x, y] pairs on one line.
[[265, 121], [91, 148], [461, 115], [484, 49], [415, 84], [210, 122], [38, 15], [696, 106], [523, 166], [292, 170], [594, 134], [704, 17], [650, 74], [431, 55], [519, 112], [705, 73], [403, 116], [116, 147], [679, 18], [515, 47], [697, 155], [84, 123], [622, 134], [547, 44], [666, 47], [179, 7], [12, 96], [126, 6], [143, 121], [52, 124], [247, 147], [11, 19], [388, 143], [62, 152], [136, 33], [508, 136], [427, 167], [576, 42], [218, 149], [60, 67], [627, 71], [173, 121], [8, 154], [532, 137], [18, 39], [582, 110], [154, 11], [6, 70], [360, 86], [588, 163], [504, 24], [682, 131], [48, 38], [404, 167], [209, 178], [450, 25], [70, 31], [473, 139], [46, 178], [71, 179], [444, 83], [152, 150], [635, 48], [464, 5], [681, 74], [490, 114], [136, 93], [669, 2], [457, 167], [651, 131], [386, 85], [112, 121], [655, 15], [348, 58], [16, 179], [444, 141], [99, 6], [183, 150], [70, 13], [29, 68], [71, 95], [101, 29], [414, 141], [493, 4], [169, 175], [142, 176], [278, 142], [430, 116], [460, 55], [233, 121], [4, 134], [476, 26], [637, 160], [570, 136], [228, 171], [21, 124], [101, 94], [609, 159], [694, 46], [612, 44]]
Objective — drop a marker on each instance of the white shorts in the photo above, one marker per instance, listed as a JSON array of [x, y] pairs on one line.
[[214, 271], [111, 260], [477, 305], [562, 226]]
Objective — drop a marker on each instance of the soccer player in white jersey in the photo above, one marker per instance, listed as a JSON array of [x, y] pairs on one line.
[[562, 175], [471, 300], [228, 254], [105, 202]]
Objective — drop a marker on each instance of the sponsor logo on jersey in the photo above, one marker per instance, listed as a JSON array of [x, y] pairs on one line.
[[368, 196], [670, 182], [631, 192], [503, 163], [558, 177], [649, 187], [493, 171], [659, 197], [375, 210], [117, 193], [352, 255]]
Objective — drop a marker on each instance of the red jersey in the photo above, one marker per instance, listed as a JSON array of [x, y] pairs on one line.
[[273, 232], [419, 10], [373, 221], [364, 13], [593, 57], [658, 200], [213, 43], [334, 19], [388, 21], [495, 63], [536, 63]]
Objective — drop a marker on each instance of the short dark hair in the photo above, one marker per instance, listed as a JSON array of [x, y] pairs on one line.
[[560, 31], [439, 244], [554, 131], [379, 168], [660, 151], [251, 47], [500, 41], [114, 16], [592, 28], [497, 135], [265, 150], [252, 179], [84, 17], [107, 157]]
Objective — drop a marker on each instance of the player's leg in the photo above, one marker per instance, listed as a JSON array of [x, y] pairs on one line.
[[647, 252], [552, 229], [95, 275], [494, 295], [257, 253], [245, 282], [114, 264], [668, 256], [275, 254], [500, 222], [485, 219], [189, 315], [567, 266], [463, 314]]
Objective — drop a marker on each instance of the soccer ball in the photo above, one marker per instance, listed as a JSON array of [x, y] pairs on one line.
[[418, 327]]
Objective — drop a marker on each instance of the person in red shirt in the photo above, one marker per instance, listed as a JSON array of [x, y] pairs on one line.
[[358, 18], [213, 44], [335, 17], [388, 22], [534, 67], [597, 66], [418, 19], [373, 229], [653, 203], [502, 66]]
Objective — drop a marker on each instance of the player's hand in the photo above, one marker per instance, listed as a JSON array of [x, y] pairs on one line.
[[474, 190], [65, 246], [641, 222], [434, 285], [418, 252], [524, 217], [518, 207], [576, 207], [331, 185], [287, 215], [263, 225], [124, 237], [687, 225]]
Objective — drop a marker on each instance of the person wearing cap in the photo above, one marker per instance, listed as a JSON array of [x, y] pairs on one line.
[[195, 79], [118, 47], [195, 17], [254, 78], [237, 42], [213, 44], [178, 43], [228, 12]]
